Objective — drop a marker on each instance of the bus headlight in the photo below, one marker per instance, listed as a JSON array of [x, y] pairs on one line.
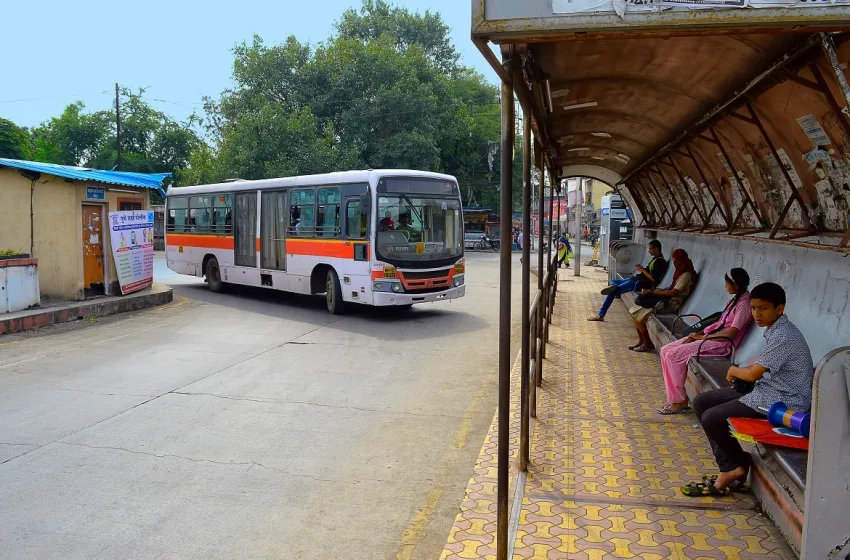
[[457, 281], [377, 286], [396, 287]]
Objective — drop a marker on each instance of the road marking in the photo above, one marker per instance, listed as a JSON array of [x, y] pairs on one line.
[[416, 530]]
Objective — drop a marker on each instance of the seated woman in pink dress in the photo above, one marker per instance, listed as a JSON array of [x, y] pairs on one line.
[[733, 323]]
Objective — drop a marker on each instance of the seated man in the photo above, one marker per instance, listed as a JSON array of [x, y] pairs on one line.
[[649, 277], [782, 372], [406, 227]]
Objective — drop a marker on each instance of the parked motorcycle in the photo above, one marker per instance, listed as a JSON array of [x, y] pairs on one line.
[[485, 243]]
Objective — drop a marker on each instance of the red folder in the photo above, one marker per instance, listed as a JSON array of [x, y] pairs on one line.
[[752, 431]]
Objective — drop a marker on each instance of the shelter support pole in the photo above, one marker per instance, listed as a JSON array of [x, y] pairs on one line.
[[551, 229], [525, 420], [577, 250], [506, 179], [541, 307]]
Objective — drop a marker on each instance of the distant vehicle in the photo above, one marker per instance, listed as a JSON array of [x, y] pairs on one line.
[[378, 237], [485, 242]]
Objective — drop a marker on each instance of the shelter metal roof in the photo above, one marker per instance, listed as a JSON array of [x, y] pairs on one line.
[[709, 120], [122, 178]]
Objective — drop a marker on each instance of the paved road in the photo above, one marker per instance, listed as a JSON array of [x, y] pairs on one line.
[[246, 425]]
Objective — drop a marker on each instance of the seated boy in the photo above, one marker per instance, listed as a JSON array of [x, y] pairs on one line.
[[782, 372], [647, 277]]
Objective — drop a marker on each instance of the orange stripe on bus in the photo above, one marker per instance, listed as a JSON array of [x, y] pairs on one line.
[[321, 248], [205, 241]]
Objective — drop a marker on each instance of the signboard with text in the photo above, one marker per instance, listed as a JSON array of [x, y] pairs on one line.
[[95, 193], [131, 233]]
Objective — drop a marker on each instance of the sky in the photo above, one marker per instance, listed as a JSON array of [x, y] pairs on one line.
[[180, 50]]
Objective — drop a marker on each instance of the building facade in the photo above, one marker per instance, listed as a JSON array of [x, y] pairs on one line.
[[57, 214]]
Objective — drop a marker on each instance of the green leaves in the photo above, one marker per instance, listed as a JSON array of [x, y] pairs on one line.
[[385, 91], [14, 141], [150, 141]]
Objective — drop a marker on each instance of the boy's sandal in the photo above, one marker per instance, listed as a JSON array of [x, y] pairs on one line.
[[635, 346], [740, 486], [736, 486], [703, 489], [596, 318], [644, 348]]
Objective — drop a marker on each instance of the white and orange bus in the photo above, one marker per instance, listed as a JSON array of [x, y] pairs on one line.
[[378, 237]]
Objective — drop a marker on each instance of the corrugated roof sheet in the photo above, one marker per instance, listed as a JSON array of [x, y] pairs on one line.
[[123, 178]]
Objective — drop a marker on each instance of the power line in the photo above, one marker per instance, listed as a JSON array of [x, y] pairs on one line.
[[55, 97]]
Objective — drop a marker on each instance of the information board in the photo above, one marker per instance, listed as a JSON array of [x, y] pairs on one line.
[[131, 233]]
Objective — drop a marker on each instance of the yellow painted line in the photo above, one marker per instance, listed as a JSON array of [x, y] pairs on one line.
[[183, 301], [416, 530]]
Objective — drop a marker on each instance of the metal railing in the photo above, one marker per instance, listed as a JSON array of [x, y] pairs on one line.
[[540, 314]]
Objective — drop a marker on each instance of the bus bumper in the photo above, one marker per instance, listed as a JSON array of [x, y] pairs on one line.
[[387, 298]]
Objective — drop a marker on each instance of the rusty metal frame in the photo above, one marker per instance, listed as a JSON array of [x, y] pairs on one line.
[[795, 194], [638, 198], [672, 187], [823, 88], [650, 212], [717, 206], [666, 213], [672, 197], [643, 182], [738, 181], [697, 207]]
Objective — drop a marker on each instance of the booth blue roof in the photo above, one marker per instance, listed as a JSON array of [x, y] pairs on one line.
[[122, 178]]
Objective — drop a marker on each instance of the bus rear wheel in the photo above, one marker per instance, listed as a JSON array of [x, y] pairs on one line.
[[333, 293], [213, 274]]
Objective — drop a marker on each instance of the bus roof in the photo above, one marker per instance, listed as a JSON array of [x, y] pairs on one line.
[[340, 177]]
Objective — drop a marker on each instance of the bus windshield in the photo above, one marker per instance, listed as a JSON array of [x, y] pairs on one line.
[[418, 228]]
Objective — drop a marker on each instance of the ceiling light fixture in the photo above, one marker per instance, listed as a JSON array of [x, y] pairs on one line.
[[577, 149], [601, 134], [560, 93]]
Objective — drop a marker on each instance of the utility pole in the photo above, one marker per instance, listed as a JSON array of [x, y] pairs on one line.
[[117, 127]]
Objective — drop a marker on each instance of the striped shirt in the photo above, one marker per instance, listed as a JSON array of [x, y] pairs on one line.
[[790, 369]]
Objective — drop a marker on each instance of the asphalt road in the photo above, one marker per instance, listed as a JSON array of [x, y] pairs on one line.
[[247, 425]]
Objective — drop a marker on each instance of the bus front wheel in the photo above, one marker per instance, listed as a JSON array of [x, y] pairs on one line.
[[214, 276], [333, 293]]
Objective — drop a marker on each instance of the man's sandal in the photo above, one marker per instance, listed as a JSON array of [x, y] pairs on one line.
[[596, 318]]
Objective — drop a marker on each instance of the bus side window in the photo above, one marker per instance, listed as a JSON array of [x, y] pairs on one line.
[[200, 212], [178, 208], [222, 204], [302, 221], [355, 220], [327, 219]]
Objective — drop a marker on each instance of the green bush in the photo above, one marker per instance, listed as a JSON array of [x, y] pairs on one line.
[[9, 252]]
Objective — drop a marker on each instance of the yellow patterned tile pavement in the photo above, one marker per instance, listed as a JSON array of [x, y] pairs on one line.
[[605, 468]]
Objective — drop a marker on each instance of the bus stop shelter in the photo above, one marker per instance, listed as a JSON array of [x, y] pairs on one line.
[[725, 126]]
